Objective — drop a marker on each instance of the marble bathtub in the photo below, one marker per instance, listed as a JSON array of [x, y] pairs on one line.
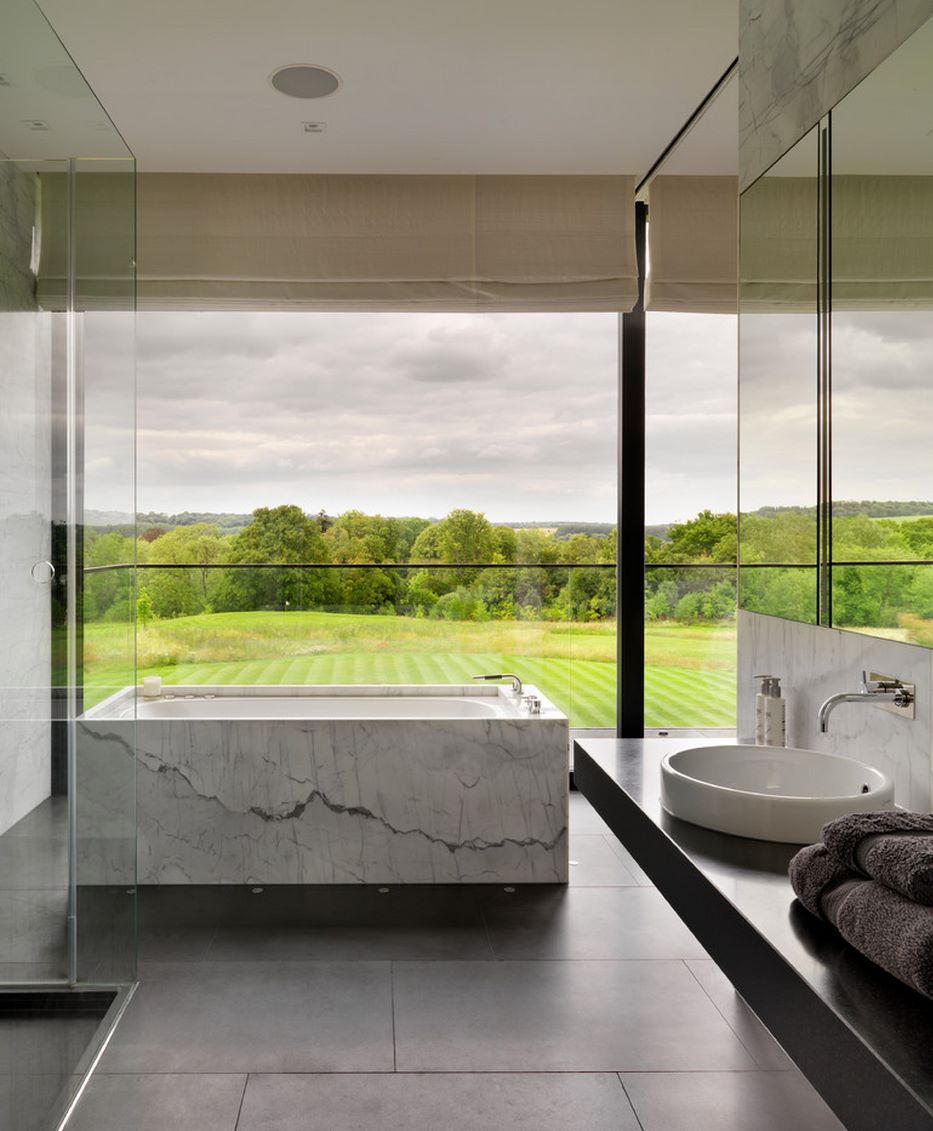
[[341, 785]]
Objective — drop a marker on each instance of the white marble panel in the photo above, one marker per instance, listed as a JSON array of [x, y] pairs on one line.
[[25, 496], [815, 663], [353, 801], [106, 803], [798, 58]]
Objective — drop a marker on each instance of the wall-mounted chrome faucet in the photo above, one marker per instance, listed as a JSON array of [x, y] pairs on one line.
[[516, 682], [881, 691]]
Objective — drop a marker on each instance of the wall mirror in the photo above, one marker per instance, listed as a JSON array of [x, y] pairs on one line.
[[836, 340]]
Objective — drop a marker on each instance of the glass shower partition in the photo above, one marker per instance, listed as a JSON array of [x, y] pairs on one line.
[[67, 499]]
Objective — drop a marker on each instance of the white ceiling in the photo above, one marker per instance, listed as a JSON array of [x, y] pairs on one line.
[[711, 148], [428, 86], [47, 110]]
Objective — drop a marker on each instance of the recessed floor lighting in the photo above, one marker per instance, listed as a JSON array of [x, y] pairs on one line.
[[304, 81]]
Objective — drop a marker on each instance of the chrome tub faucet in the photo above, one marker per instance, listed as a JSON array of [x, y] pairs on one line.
[[516, 682]]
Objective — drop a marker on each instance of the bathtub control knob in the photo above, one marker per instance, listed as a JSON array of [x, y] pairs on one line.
[[533, 703]]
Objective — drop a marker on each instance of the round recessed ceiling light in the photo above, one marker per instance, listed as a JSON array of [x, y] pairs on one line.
[[304, 81]]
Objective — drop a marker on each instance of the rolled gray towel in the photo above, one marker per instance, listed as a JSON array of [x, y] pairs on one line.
[[893, 847], [891, 930], [813, 872]]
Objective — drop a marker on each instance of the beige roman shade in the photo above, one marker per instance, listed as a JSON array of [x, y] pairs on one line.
[[693, 244], [103, 242], [882, 242], [778, 245], [359, 242], [356, 242]]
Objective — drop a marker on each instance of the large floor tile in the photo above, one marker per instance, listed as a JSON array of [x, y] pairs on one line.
[[257, 1017], [302, 942], [728, 1101], [585, 923], [159, 1103], [584, 818], [558, 1016], [458, 1102], [641, 876], [750, 1031], [32, 863], [594, 864], [33, 926], [175, 944]]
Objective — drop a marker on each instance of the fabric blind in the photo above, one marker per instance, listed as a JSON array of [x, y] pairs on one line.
[[368, 242], [693, 244], [779, 245], [882, 242], [104, 243]]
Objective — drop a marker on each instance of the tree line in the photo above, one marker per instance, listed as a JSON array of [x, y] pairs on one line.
[[463, 567]]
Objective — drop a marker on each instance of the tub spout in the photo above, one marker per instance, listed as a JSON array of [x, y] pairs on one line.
[[516, 682]]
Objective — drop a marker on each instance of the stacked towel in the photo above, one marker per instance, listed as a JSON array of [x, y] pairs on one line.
[[892, 847], [872, 878]]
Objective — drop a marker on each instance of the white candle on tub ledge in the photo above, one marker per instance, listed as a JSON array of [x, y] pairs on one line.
[[152, 686]]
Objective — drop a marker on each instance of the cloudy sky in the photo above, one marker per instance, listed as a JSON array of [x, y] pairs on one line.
[[882, 406], [510, 414], [514, 415]]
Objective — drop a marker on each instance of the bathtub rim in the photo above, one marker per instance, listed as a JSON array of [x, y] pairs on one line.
[[117, 706]]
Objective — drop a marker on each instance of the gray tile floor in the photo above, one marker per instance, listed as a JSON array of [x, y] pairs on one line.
[[34, 895], [443, 1009]]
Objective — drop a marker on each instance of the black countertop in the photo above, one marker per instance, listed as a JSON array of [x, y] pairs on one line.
[[892, 1020]]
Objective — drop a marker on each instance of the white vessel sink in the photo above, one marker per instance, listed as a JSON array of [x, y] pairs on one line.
[[769, 792]]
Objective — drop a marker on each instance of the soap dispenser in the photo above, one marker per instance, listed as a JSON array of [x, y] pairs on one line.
[[770, 713]]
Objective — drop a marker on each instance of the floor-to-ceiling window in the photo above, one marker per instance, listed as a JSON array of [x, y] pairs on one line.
[[690, 524], [372, 498]]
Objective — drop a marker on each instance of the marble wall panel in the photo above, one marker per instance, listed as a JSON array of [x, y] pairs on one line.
[[798, 58], [25, 486], [816, 662]]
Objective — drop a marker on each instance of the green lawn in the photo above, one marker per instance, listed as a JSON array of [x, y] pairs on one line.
[[689, 678]]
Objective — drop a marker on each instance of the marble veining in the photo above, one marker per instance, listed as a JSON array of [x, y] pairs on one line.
[[816, 662], [316, 801], [798, 58]]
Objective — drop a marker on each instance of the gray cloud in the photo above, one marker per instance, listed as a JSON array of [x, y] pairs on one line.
[[406, 414]]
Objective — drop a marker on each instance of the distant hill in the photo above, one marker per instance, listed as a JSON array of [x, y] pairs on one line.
[[228, 522], [847, 508], [123, 523]]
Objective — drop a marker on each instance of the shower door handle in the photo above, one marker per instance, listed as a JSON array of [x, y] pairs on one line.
[[42, 572]]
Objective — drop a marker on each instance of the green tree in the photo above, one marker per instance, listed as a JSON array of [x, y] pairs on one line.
[[787, 537], [466, 536], [106, 592], [176, 592], [707, 538], [285, 535], [145, 613], [461, 604]]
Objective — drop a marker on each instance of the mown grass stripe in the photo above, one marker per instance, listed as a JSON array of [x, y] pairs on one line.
[[692, 685]]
